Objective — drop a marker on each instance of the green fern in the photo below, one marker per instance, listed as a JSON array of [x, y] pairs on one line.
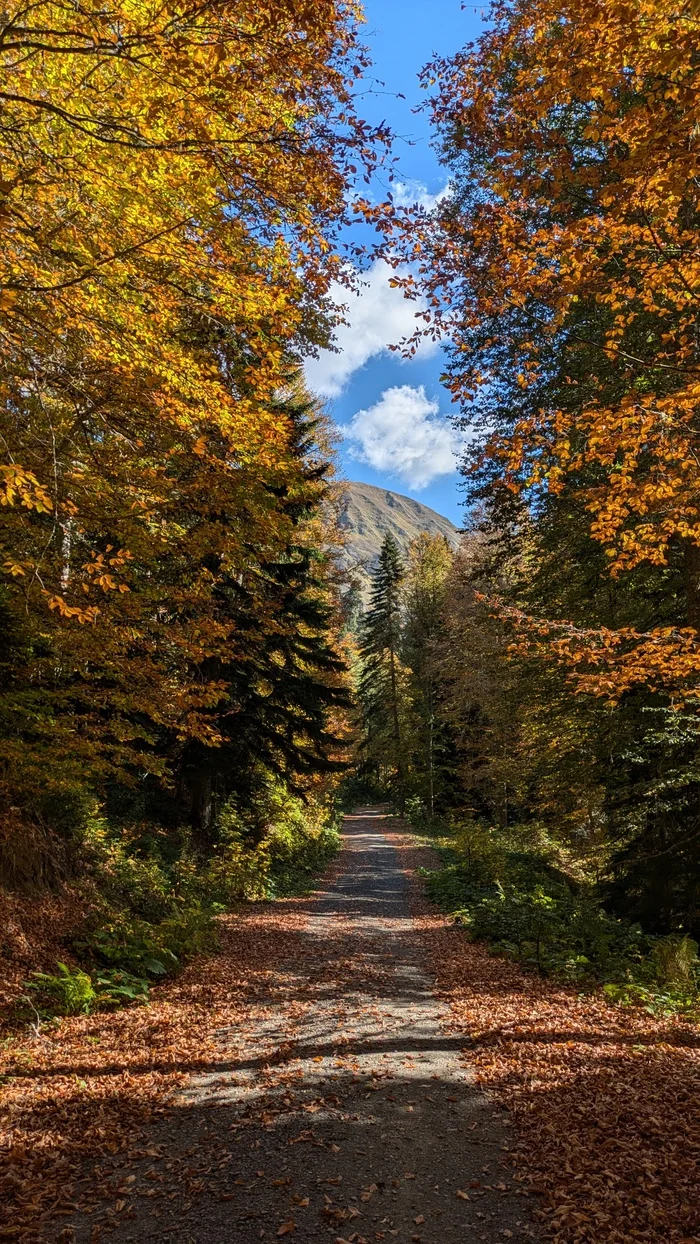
[[675, 960], [69, 992]]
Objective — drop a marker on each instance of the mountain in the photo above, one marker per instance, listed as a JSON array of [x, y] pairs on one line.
[[370, 512]]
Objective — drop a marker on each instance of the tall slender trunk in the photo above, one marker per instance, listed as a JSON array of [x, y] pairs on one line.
[[692, 584], [431, 754], [397, 726], [202, 808]]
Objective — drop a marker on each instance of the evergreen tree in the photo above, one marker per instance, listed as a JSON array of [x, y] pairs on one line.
[[288, 679], [430, 561], [382, 679]]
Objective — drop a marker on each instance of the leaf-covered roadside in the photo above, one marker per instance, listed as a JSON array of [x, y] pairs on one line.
[[146, 904], [85, 1088], [604, 1100]]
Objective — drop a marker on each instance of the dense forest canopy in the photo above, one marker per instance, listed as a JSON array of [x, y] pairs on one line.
[[561, 272], [174, 183]]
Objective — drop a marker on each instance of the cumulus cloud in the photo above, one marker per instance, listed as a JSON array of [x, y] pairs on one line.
[[410, 193], [377, 317], [404, 435]]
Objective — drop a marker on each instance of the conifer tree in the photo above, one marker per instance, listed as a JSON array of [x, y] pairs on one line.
[[286, 680], [430, 561], [382, 680]]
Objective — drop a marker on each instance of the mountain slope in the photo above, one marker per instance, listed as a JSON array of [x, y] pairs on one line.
[[370, 512]]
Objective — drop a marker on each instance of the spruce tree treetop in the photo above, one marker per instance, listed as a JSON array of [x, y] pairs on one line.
[[383, 613]]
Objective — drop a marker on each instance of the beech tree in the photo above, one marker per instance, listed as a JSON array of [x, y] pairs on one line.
[[563, 270], [173, 186]]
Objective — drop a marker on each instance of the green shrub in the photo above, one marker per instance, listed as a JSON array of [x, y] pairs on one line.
[[69, 812], [127, 878], [116, 987], [518, 901], [416, 812], [126, 941], [69, 992], [675, 961], [658, 1002], [157, 906], [273, 848]]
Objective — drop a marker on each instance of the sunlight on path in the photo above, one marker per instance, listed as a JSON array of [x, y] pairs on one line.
[[346, 1115]]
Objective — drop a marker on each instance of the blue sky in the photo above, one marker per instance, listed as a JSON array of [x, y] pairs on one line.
[[394, 413]]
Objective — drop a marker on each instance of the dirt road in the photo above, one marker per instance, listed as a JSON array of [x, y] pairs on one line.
[[347, 1115]]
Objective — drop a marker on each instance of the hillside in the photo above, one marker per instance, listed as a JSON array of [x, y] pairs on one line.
[[370, 512]]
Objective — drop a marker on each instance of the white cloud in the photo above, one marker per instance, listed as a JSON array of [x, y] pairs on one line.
[[401, 435], [410, 193], [377, 316]]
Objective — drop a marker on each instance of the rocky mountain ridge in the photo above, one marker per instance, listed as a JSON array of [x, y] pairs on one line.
[[371, 512]]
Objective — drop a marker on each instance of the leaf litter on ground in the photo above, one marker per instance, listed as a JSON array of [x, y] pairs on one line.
[[605, 1101]]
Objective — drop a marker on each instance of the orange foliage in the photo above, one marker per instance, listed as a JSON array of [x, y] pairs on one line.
[[574, 132], [172, 186]]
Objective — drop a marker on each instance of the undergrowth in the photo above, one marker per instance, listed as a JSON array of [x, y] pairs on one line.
[[154, 901], [508, 888]]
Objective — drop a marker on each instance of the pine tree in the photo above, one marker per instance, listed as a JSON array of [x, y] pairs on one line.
[[382, 680]]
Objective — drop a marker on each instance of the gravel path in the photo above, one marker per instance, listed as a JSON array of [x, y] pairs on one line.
[[347, 1114]]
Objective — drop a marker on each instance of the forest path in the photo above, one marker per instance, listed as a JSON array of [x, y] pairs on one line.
[[346, 1114]]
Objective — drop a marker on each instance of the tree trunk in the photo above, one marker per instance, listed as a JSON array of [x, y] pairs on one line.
[[692, 583], [431, 750], [397, 729], [202, 808]]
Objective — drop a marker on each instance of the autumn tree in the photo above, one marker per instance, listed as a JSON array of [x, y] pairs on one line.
[[563, 270], [173, 187]]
